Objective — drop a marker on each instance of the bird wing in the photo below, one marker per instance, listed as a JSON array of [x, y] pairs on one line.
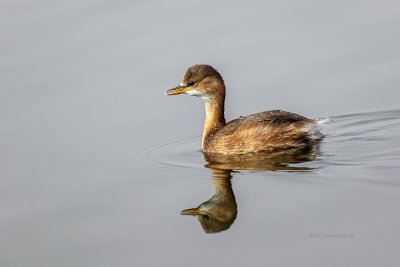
[[272, 118]]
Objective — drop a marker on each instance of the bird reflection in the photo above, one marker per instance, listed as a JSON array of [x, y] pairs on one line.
[[279, 160], [219, 212]]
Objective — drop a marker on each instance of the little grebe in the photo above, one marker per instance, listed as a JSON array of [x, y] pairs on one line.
[[264, 131]]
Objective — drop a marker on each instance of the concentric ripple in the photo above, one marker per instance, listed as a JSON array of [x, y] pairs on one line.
[[176, 158], [355, 141]]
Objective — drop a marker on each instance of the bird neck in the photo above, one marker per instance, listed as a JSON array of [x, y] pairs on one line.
[[214, 117], [222, 182]]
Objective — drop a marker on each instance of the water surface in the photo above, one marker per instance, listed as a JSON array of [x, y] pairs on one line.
[[97, 164]]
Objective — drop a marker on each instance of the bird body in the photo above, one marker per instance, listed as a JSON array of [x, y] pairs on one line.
[[264, 131]]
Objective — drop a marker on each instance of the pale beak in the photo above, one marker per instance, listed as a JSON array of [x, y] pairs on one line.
[[177, 90], [194, 211]]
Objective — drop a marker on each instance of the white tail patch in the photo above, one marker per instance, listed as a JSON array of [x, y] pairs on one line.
[[314, 128]]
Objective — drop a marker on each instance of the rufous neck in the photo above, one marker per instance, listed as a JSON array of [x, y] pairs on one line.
[[215, 118], [222, 182]]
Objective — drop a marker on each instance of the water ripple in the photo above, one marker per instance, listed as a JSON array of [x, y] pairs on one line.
[[365, 139], [173, 159], [369, 140]]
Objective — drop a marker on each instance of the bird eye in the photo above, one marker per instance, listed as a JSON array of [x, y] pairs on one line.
[[191, 83]]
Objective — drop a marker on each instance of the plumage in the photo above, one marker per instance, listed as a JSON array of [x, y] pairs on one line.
[[264, 131]]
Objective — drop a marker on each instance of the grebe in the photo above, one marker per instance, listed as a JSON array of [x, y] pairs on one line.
[[264, 131]]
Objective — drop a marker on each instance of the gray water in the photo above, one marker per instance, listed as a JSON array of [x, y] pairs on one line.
[[97, 164]]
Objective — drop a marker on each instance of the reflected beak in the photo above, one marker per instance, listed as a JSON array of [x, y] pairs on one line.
[[177, 90], [194, 211]]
